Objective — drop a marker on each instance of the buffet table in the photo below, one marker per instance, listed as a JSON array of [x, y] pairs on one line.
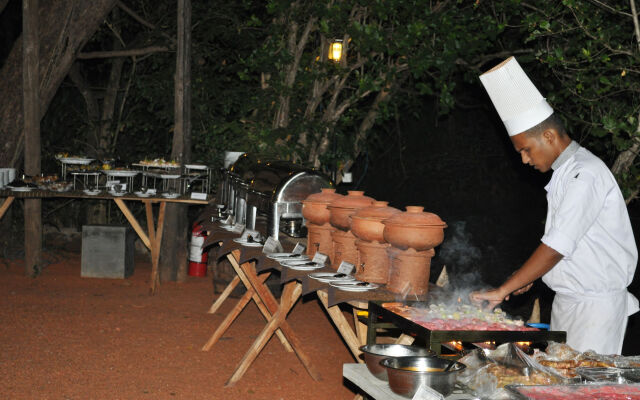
[[152, 239], [252, 268]]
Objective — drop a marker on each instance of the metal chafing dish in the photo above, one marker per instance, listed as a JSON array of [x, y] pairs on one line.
[[253, 186]]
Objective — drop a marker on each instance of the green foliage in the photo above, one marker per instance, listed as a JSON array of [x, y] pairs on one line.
[[588, 52], [580, 53]]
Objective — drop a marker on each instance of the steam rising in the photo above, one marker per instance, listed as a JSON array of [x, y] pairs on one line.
[[461, 257]]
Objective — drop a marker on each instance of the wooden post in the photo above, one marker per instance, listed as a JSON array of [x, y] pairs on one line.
[[31, 104]]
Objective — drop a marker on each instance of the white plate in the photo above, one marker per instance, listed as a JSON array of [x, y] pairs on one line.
[[248, 244], [353, 286], [287, 256], [151, 174], [329, 277], [195, 166], [20, 188], [91, 192], [75, 160], [170, 195], [300, 263], [169, 176], [142, 194], [295, 262], [116, 194], [305, 267], [120, 173]]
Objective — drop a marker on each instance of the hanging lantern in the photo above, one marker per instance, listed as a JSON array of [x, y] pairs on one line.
[[335, 50]]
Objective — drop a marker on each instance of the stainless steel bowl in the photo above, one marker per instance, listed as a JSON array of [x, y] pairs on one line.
[[375, 353], [406, 374]]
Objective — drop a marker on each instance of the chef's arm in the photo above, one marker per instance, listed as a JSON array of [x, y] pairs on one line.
[[539, 263]]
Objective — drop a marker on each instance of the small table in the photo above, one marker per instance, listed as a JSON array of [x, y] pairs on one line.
[[152, 238]]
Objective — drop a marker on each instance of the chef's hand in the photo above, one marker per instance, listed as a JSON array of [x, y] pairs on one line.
[[492, 297]]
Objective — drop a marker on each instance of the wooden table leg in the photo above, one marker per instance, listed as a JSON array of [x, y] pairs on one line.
[[266, 312], [342, 324], [361, 328], [233, 314], [225, 293], [273, 306], [5, 205], [290, 295], [134, 223], [153, 240], [156, 242]]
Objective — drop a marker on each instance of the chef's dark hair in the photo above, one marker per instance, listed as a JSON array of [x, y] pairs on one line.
[[552, 122]]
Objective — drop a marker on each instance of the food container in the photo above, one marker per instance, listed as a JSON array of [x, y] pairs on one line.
[[407, 374], [373, 262], [344, 248], [374, 353], [314, 207], [414, 229], [366, 223], [341, 209], [409, 271], [319, 240]]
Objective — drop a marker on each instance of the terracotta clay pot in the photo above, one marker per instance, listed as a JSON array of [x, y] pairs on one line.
[[319, 239], [341, 209], [314, 207], [373, 262], [409, 271], [366, 223], [344, 248], [414, 229]]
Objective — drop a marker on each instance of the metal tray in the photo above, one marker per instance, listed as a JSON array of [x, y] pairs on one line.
[[616, 375], [574, 391]]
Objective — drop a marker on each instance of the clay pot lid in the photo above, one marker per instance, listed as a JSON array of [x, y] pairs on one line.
[[355, 199], [326, 196], [415, 216], [379, 210]]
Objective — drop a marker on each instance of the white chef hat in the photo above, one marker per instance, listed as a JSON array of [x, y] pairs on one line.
[[518, 102]]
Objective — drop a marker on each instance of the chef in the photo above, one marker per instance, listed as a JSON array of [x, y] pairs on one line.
[[588, 254]]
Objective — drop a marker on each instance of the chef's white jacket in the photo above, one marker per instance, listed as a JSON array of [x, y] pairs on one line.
[[587, 222]]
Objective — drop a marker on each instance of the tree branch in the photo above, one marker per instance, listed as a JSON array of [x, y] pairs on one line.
[[626, 158], [142, 21], [478, 62], [122, 53], [609, 8]]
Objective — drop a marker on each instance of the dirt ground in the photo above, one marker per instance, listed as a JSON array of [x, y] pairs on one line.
[[67, 337]]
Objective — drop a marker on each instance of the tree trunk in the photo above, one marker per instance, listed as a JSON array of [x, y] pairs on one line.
[[3, 4], [173, 257], [30, 65], [64, 27]]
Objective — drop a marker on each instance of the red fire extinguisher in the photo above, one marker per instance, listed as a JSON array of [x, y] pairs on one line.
[[197, 258]]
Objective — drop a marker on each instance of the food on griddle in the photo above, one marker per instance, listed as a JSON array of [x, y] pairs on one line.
[[459, 317]]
